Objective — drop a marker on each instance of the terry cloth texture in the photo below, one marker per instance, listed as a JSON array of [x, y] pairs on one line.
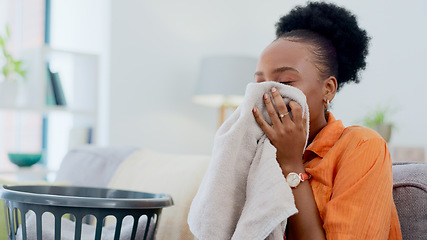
[[87, 232], [244, 194]]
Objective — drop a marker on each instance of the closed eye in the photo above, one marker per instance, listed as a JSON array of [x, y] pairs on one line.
[[287, 82]]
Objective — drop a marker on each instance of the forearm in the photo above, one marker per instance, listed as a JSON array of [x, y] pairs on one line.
[[306, 224]]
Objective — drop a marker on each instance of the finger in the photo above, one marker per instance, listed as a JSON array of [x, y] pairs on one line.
[[304, 121], [296, 113], [271, 110], [280, 103], [261, 122]]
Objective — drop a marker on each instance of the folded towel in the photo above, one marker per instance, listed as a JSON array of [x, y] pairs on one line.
[[244, 194], [88, 231]]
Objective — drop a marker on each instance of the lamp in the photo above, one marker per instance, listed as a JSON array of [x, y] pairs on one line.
[[222, 81]]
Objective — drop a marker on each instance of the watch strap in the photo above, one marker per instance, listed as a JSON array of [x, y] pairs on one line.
[[304, 176]]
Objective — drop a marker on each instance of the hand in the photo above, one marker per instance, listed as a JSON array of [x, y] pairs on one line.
[[287, 134]]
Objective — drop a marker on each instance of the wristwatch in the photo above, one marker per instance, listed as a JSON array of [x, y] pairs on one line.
[[294, 179]]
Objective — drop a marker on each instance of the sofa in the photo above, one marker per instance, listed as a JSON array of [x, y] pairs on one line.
[[410, 197], [179, 175], [129, 168]]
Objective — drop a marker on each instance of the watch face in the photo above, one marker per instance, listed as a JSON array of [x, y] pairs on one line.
[[292, 179]]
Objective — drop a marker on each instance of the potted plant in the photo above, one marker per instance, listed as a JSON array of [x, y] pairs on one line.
[[379, 120], [11, 72]]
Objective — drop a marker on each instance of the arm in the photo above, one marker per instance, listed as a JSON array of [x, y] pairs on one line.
[[307, 224], [288, 136]]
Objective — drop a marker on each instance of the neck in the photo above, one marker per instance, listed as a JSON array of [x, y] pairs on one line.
[[316, 126]]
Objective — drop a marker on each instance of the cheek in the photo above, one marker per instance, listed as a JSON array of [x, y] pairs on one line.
[[314, 99]]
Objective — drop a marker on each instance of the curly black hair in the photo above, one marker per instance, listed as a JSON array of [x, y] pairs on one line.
[[338, 43]]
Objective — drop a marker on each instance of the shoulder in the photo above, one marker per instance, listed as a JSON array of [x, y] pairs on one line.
[[360, 135], [362, 148]]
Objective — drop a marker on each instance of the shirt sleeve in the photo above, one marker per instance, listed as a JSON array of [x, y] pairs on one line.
[[361, 202]]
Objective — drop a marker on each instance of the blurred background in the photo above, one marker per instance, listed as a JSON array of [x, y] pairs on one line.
[[130, 68]]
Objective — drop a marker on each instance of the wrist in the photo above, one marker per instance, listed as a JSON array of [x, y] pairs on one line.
[[294, 167]]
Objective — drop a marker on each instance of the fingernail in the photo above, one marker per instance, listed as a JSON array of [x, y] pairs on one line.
[[265, 95], [273, 90], [254, 110]]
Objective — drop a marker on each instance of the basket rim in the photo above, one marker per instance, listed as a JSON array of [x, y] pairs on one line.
[[17, 193]]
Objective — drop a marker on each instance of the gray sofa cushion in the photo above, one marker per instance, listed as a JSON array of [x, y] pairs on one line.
[[92, 166], [410, 197]]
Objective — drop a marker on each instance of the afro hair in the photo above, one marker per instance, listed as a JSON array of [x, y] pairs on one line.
[[340, 27]]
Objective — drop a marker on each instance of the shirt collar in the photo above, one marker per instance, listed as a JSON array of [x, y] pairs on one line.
[[327, 137]]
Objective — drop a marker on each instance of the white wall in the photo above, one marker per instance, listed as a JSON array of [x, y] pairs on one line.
[[156, 47], [3, 15], [395, 75]]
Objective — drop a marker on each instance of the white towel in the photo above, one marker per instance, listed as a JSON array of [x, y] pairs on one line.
[[244, 194], [88, 231]]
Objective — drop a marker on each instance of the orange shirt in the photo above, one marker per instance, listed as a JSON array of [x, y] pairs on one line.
[[352, 182]]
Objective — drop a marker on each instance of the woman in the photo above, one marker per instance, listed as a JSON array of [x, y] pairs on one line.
[[319, 48]]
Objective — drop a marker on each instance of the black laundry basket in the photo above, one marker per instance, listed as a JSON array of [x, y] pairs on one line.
[[84, 206]]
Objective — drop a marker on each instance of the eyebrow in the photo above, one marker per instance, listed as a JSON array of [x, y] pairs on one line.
[[278, 70]]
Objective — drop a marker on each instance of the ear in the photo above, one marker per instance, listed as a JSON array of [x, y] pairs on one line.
[[330, 86]]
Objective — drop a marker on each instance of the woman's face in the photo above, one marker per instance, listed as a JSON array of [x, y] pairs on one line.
[[291, 63]]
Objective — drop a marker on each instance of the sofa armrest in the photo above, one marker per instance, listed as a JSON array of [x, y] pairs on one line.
[[410, 197]]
